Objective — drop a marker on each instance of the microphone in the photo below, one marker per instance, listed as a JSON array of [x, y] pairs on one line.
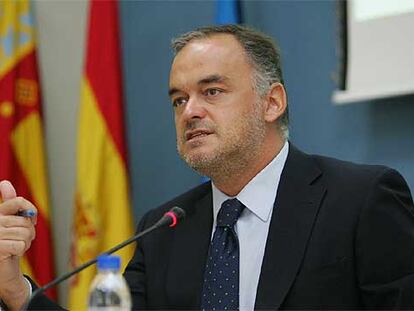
[[170, 219]]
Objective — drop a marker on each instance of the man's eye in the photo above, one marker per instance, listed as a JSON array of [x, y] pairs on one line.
[[212, 92], [179, 101]]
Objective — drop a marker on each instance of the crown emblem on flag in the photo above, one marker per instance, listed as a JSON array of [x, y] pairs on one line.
[[26, 92]]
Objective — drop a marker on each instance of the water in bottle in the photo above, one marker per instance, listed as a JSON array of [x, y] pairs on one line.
[[109, 290]]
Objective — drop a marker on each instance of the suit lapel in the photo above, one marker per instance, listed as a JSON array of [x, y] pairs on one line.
[[189, 253], [297, 203]]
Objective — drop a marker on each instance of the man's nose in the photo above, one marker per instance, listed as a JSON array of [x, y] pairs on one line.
[[194, 108]]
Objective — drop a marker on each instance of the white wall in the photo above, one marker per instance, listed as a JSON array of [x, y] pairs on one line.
[[60, 37]]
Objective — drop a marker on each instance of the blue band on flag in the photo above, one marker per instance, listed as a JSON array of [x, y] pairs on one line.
[[228, 12]]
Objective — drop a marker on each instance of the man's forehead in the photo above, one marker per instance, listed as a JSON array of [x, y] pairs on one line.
[[218, 51], [217, 55]]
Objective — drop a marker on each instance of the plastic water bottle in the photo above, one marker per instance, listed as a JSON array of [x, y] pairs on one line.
[[109, 290]]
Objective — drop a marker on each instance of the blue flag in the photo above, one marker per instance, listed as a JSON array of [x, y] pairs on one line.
[[228, 12]]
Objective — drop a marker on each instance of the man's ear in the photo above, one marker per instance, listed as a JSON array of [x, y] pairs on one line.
[[276, 102]]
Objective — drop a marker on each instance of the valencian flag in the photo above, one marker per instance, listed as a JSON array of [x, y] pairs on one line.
[[102, 213], [22, 158]]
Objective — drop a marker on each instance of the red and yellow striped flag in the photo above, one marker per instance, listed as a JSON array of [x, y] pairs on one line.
[[22, 159], [102, 215]]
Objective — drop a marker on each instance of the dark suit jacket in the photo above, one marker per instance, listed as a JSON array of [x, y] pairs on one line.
[[341, 237]]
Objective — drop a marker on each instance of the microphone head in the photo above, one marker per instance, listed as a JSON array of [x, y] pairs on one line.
[[171, 217]]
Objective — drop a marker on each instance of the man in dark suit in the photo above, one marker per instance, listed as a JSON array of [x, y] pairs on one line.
[[340, 235], [276, 228]]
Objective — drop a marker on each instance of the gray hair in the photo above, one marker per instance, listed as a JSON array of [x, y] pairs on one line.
[[261, 50]]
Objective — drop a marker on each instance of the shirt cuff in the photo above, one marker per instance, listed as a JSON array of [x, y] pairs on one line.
[[30, 287]]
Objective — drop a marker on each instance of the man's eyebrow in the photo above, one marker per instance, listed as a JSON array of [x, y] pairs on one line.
[[172, 91], [215, 78]]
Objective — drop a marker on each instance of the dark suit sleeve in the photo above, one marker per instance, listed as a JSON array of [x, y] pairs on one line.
[[135, 273], [41, 302], [384, 245]]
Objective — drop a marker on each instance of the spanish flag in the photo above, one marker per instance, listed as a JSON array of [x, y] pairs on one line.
[[102, 212], [22, 158]]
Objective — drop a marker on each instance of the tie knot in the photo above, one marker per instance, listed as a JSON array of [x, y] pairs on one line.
[[229, 213]]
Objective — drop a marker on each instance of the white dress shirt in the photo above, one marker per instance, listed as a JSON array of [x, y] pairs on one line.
[[252, 226]]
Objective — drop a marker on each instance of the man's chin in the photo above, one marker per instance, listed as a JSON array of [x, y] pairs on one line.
[[200, 162]]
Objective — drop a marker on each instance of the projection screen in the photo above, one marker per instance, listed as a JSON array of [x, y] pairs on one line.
[[380, 50]]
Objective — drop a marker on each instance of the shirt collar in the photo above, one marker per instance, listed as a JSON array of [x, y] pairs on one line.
[[260, 193]]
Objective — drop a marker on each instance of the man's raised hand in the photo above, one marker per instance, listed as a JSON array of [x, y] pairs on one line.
[[16, 235]]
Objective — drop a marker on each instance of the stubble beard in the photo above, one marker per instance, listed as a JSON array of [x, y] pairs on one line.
[[239, 147]]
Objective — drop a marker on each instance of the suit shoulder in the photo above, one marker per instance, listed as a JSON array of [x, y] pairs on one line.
[[350, 175], [335, 167], [334, 170]]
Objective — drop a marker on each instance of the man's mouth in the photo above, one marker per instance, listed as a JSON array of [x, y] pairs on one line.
[[195, 134]]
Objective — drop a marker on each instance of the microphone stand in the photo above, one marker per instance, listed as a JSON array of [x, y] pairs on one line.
[[170, 218]]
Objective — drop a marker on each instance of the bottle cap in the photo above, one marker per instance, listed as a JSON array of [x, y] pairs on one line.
[[107, 262]]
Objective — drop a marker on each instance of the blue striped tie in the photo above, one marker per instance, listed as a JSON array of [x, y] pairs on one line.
[[221, 276]]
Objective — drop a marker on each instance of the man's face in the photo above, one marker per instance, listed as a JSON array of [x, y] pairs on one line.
[[218, 115]]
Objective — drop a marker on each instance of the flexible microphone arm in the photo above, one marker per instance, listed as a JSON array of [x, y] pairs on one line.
[[168, 219]]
